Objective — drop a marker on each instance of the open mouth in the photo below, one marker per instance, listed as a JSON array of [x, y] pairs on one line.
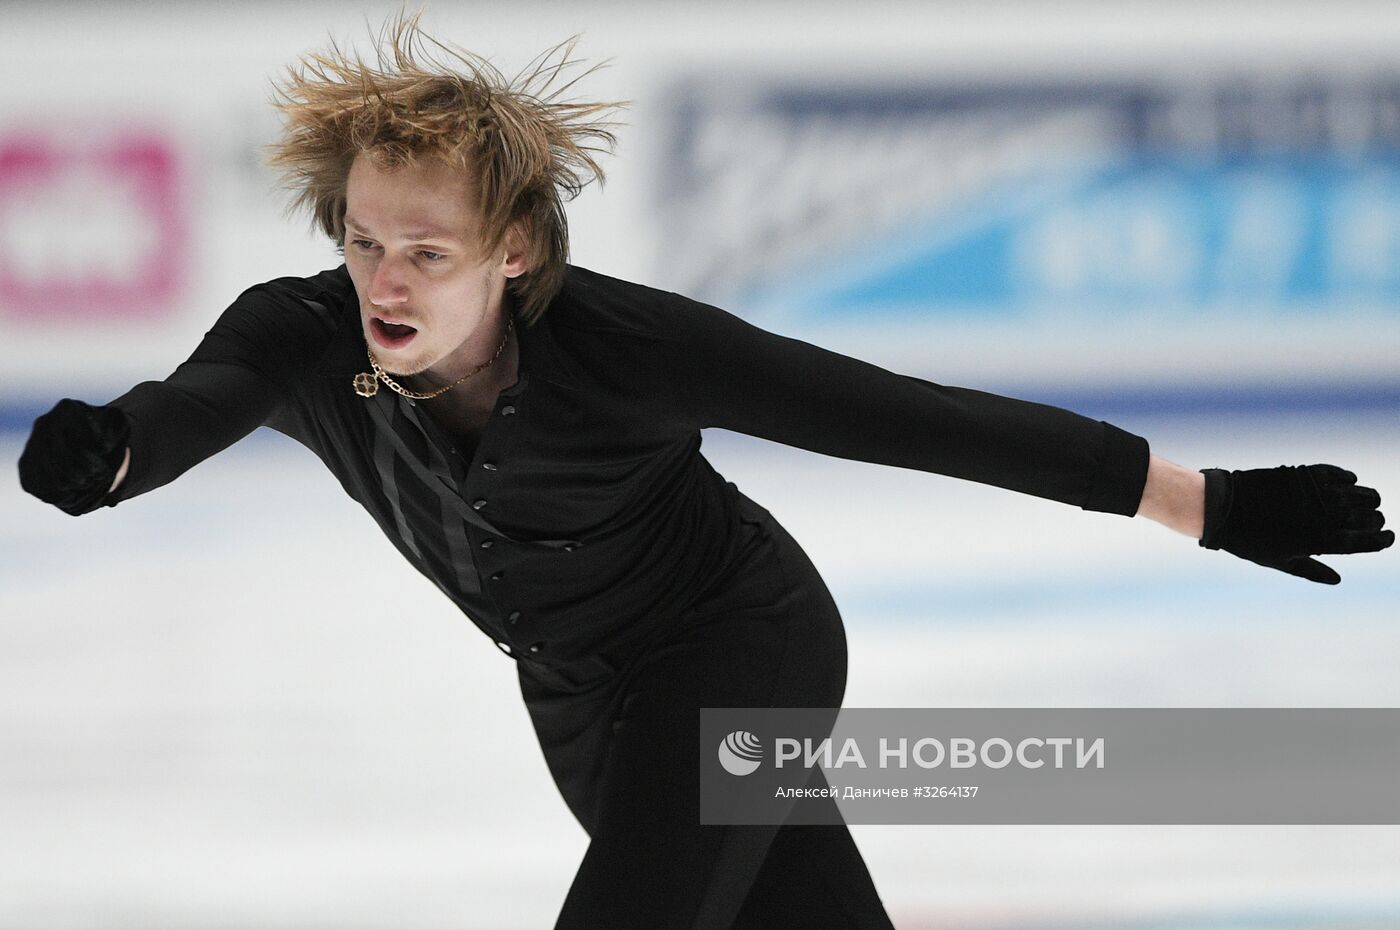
[[391, 335]]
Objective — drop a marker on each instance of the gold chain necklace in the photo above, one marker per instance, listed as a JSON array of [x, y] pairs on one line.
[[367, 385]]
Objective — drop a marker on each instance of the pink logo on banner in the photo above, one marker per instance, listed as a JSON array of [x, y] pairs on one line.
[[91, 228]]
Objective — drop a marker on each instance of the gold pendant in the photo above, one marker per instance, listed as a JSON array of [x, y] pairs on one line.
[[366, 384]]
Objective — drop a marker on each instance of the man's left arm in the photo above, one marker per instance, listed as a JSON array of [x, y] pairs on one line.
[[706, 367]]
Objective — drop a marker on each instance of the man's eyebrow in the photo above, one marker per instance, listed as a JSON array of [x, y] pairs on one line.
[[426, 232]]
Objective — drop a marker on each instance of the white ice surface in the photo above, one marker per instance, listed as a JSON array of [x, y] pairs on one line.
[[230, 704]]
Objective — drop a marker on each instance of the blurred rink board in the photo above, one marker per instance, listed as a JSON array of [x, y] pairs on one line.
[[242, 709]]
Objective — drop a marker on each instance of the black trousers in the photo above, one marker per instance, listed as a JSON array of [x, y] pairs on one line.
[[624, 755]]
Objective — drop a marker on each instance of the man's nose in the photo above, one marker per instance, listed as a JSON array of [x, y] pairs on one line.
[[388, 285]]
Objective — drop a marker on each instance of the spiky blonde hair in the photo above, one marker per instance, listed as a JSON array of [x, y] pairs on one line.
[[527, 151]]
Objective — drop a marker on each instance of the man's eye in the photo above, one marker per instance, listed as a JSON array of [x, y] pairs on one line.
[[362, 244], [431, 256]]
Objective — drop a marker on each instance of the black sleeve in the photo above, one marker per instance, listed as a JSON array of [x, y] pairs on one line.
[[711, 368], [237, 377]]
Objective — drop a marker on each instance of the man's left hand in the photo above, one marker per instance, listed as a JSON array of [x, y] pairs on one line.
[[1280, 517]]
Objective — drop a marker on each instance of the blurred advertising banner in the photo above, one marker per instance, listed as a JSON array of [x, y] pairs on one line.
[[92, 223], [1140, 228]]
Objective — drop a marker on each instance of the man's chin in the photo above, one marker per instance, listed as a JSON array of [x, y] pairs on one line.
[[396, 364], [398, 369]]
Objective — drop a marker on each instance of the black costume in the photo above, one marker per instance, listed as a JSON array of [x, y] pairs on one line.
[[587, 536]]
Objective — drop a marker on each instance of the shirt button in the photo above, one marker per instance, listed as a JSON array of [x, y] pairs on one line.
[[504, 647], [513, 616], [478, 503], [489, 466], [507, 410], [487, 543], [536, 647], [497, 576]]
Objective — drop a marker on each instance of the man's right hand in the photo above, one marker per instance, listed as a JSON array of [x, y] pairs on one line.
[[74, 455]]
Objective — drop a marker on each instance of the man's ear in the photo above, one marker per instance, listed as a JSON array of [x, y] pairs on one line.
[[516, 257]]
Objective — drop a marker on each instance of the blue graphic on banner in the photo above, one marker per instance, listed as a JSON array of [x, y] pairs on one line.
[[1150, 232]]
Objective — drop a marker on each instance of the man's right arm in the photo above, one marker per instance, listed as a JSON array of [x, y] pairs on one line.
[[81, 457]]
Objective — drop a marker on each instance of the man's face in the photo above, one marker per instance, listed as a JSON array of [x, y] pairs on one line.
[[411, 251]]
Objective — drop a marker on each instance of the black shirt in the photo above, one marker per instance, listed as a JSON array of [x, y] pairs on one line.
[[586, 511]]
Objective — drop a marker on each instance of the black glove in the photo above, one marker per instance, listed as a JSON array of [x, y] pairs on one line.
[[1278, 517], [73, 455]]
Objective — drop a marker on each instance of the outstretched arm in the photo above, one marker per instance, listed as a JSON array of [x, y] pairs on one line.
[[711, 368], [81, 457]]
